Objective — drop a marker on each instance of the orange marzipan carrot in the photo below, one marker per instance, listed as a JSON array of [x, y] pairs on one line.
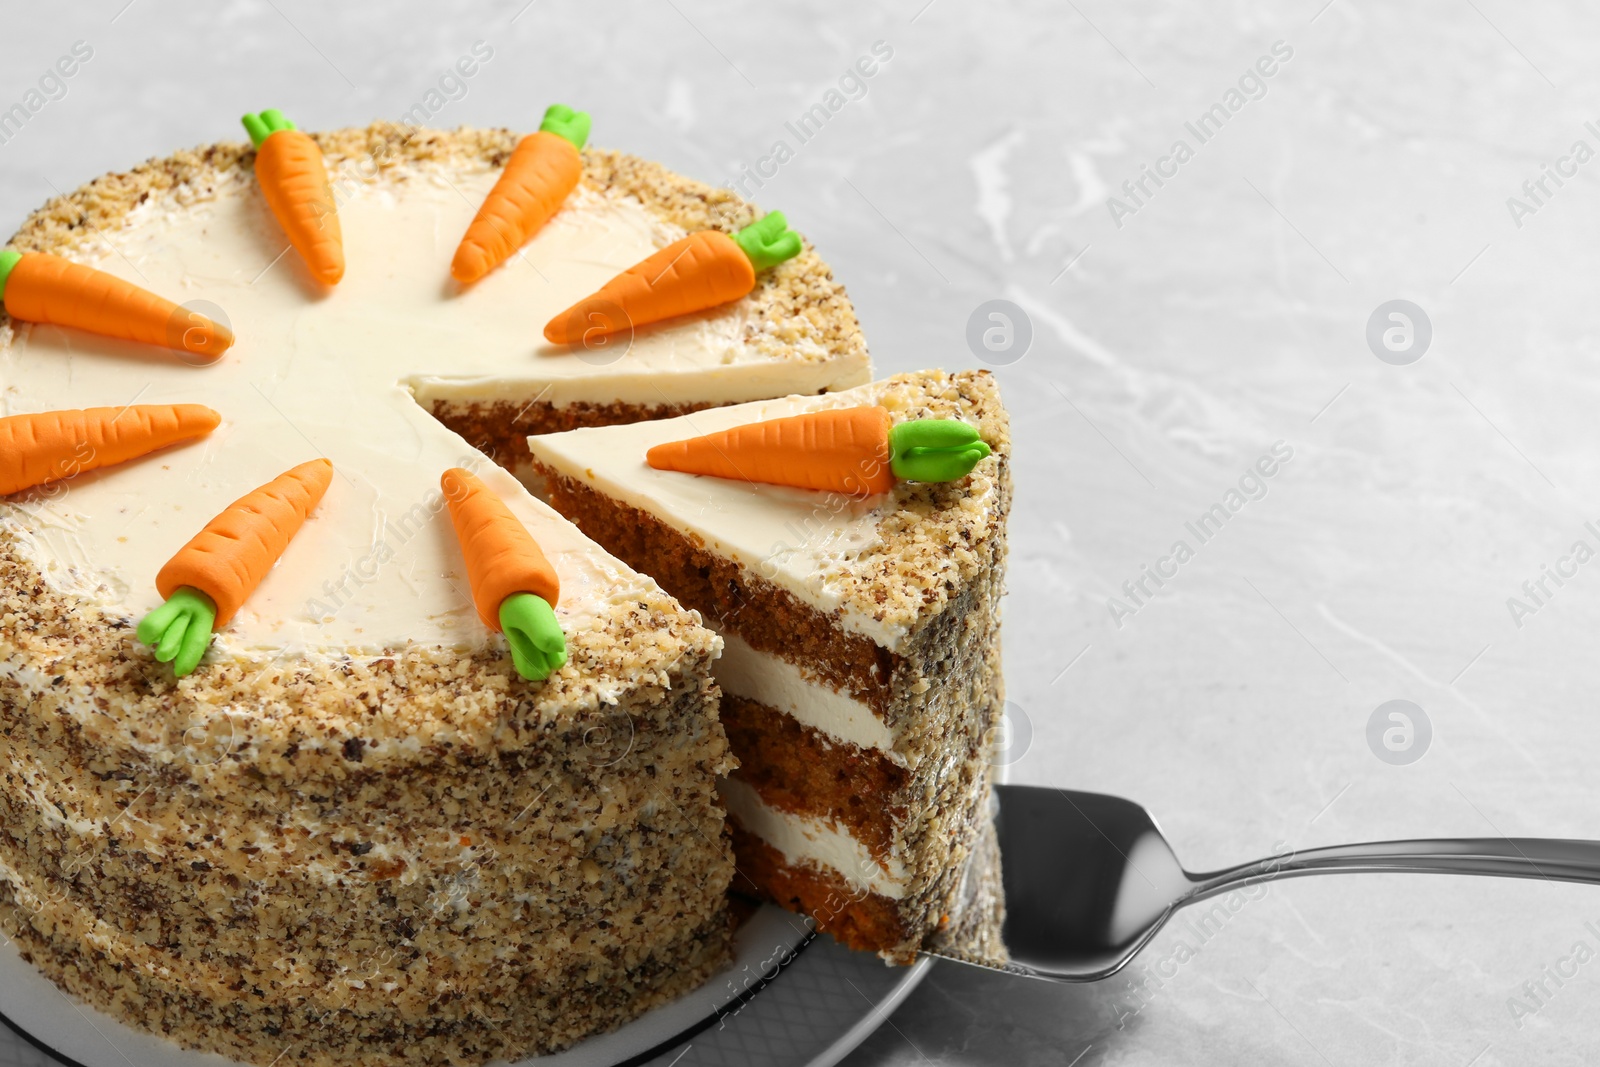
[[51, 445], [294, 181], [48, 289], [502, 557], [699, 271], [843, 450], [228, 559], [542, 171]]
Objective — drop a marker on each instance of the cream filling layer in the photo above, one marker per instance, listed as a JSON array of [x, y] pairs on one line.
[[805, 542], [339, 373], [767, 679], [807, 840]]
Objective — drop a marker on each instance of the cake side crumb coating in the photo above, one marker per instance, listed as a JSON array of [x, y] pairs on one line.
[[362, 858]]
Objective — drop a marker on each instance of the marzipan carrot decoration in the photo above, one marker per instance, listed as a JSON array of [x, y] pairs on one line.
[[543, 170], [698, 272], [858, 451], [40, 287], [52, 445], [294, 181], [513, 586], [212, 576]]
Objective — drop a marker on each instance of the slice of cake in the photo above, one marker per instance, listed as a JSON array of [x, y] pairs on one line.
[[861, 661], [354, 831]]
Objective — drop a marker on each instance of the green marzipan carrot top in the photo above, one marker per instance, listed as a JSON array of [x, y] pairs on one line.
[[264, 125], [934, 450], [8, 261], [768, 241], [569, 125]]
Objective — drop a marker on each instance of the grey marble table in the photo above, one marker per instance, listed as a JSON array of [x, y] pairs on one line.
[[1174, 315]]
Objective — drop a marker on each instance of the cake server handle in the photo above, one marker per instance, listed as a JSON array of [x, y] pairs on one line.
[[1553, 859]]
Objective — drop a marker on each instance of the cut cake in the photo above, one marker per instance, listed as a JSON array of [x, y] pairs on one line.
[[355, 833]]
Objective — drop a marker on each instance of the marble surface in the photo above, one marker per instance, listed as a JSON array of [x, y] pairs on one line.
[[1172, 345]]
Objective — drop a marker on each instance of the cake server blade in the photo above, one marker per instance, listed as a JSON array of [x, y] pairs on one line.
[[1088, 878]]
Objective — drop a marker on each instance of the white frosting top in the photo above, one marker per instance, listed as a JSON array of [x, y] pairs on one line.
[[801, 540], [340, 374]]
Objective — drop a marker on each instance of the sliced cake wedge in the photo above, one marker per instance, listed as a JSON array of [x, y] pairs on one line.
[[861, 664]]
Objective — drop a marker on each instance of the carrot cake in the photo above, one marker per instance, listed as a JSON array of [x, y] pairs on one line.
[[356, 829], [861, 644]]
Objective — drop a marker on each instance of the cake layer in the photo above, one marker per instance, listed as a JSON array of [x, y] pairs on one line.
[[500, 428], [970, 928], [792, 689], [828, 813], [798, 770], [350, 373], [817, 842], [766, 616], [855, 916]]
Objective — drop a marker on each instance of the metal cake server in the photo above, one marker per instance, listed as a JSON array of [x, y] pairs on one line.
[[1089, 878]]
